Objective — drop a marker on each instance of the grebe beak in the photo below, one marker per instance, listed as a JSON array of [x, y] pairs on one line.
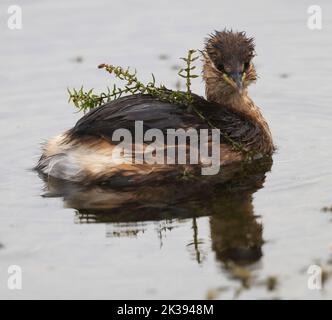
[[237, 78]]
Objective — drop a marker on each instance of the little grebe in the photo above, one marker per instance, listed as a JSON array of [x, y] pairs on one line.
[[84, 153]]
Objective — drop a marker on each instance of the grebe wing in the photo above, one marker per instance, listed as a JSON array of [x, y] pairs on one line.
[[122, 114]]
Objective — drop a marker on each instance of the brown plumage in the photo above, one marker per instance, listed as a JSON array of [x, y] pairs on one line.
[[83, 153], [228, 71]]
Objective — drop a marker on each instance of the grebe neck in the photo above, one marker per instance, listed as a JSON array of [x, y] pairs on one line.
[[241, 103]]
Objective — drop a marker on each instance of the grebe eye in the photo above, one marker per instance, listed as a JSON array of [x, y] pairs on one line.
[[221, 67], [246, 66]]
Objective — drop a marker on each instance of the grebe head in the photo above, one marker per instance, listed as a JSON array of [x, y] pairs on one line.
[[228, 68]]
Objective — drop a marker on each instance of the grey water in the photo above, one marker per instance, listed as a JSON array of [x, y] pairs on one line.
[[192, 250]]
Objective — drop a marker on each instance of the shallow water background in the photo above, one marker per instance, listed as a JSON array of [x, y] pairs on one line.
[[63, 258]]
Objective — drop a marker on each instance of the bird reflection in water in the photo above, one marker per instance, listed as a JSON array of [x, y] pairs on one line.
[[226, 200]]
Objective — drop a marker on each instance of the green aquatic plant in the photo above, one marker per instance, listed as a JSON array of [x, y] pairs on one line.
[[186, 73], [85, 100]]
